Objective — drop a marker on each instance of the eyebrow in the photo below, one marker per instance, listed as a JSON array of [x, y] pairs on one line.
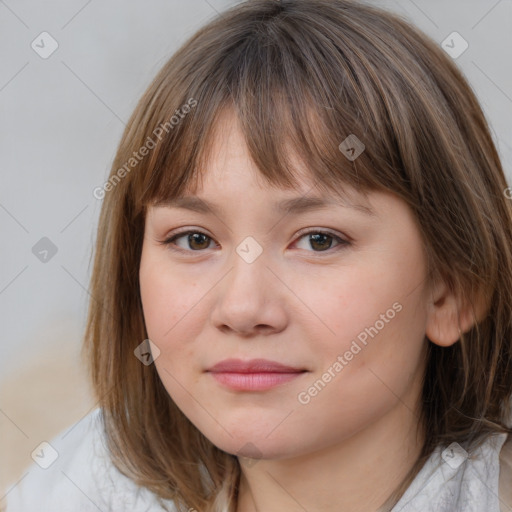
[[288, 206]]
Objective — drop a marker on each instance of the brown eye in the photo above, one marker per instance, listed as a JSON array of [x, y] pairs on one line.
[[199, 239], [321, 241], [195, 240]]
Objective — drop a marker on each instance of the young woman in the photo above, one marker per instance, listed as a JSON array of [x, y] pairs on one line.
[[302, 289]]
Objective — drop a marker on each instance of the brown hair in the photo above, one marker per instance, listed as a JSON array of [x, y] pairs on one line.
[[301, 76]]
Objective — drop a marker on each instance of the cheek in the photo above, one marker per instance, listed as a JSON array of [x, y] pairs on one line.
[[356, 303], [173, 307], [165, 308], [369, 380], [167, 299], [372, 332]]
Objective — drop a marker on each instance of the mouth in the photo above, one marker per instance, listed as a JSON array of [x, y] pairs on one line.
[[254, 366], [253, 375], [254, 381]]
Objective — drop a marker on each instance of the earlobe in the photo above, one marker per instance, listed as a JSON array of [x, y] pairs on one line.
[[448, 318], [442, 324]]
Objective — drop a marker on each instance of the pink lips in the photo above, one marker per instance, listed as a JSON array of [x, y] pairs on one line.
[[253, 366], [253, 375]]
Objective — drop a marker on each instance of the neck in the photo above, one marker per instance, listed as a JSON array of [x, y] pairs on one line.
[[356, 475]]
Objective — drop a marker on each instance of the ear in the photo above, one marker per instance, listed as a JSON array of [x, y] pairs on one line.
[[448, 317]]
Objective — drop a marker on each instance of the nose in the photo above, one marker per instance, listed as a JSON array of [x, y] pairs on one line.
[[250, 299]]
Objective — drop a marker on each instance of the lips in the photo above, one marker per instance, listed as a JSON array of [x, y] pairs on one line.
[[253, 366], [255, 375]]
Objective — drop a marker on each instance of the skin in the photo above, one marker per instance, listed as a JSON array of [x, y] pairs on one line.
[[354, 441]]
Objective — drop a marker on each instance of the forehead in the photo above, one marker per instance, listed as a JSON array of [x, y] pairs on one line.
[[274, 173], [292, 205], [229, 165]]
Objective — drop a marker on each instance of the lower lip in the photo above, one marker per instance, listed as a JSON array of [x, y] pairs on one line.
[[253, 381]]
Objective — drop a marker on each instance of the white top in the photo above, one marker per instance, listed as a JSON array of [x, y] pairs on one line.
[[83, 479]]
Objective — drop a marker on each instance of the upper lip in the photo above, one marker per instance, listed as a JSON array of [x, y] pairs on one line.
[[253, 366]]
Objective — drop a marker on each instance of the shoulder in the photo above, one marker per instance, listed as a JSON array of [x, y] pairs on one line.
[[61, 471], [505, 482], [73, 472]]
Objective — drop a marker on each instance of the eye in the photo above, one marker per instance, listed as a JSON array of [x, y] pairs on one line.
[[197, 241], [323, 240], [192, 238]]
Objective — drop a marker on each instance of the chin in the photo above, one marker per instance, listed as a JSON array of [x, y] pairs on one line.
[[250, 443]]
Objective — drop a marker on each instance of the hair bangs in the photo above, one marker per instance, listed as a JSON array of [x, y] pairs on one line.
[[291, 126]]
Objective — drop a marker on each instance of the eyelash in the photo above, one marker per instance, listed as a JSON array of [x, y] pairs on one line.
[[169, 241]]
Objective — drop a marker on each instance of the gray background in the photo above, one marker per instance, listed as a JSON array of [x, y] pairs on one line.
[[61, 119]]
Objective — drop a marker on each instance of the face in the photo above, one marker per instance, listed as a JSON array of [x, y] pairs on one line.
[[334, 293]]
